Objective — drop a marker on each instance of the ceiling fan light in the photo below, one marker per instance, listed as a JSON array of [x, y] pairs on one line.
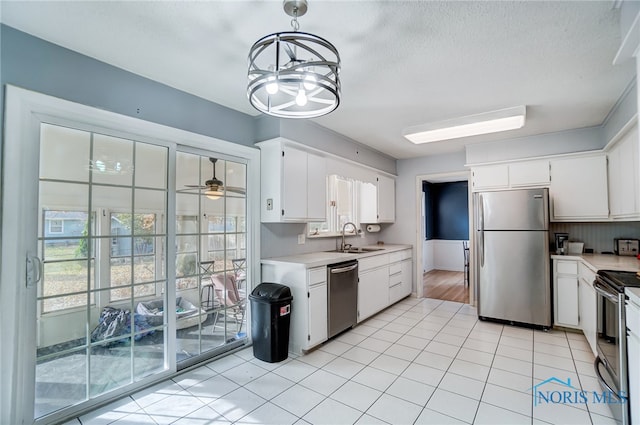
[[214, 194]]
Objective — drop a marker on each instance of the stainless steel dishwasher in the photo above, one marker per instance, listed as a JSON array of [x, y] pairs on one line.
[[342, 296]]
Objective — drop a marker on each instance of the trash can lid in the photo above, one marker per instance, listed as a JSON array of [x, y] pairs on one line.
[[271, 292]]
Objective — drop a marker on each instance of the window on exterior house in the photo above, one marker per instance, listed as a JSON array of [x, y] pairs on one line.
[[56, 226], [342, 207]]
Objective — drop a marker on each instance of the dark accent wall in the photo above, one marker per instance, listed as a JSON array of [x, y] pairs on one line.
[[446, 210], [35, 64]]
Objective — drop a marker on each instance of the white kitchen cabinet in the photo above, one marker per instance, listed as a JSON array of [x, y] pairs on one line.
[[400, 275], [529, 173], [565, 285], [588, 319], [490, 177], [293, 183], [578, 189], [308, 325], [377, 200], [624, 176], [386, 199], [373, 285], [317, 305]]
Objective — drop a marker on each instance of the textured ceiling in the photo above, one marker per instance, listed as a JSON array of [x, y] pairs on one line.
[[403, 63]]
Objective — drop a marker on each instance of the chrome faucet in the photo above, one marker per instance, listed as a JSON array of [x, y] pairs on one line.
[[343, 247]]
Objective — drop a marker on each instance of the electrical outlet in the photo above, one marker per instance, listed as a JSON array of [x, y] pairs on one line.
[[301, 239], [269, 204]]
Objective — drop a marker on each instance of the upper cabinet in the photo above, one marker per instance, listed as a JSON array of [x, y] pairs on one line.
[[293, 183], [377, 200], [511, 176], [624, 176], [578, 188]]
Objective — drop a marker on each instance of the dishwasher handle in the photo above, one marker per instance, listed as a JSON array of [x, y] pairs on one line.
[[344, 269]]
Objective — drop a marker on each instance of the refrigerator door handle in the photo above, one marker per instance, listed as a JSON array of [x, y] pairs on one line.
[[481, 229]]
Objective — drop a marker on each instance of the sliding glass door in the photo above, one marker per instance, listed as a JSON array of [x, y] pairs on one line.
[[211, 238], [102, 203], [126, 255]]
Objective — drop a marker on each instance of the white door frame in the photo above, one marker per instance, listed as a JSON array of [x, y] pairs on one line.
[[24, 111], [440, 177]]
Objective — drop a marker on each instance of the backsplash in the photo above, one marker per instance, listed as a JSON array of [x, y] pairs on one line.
[[281, 239], [598, 236]]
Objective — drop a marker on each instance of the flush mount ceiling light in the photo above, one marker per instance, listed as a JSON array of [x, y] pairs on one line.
[[294, 74], [471, 125]]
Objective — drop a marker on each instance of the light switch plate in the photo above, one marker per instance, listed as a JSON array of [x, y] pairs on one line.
[[269, 204], [301, 239]]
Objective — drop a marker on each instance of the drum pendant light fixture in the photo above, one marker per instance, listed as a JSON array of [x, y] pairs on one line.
[[294, 74]]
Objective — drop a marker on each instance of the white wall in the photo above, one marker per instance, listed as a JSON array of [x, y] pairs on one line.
[[448, 255], [407, 229]]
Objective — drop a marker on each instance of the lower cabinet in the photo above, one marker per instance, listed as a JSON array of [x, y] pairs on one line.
[[565, 282], [308, 326], [588, 309], [633, 351], [373, 290]]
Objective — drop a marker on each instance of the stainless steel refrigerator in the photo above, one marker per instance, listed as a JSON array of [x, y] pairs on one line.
[[512, 256]]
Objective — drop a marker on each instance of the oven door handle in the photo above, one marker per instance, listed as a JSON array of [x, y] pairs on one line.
[[596, 363], [602, 290]]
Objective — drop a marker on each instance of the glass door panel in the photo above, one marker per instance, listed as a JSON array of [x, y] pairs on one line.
[[210, 235], [102, 239]]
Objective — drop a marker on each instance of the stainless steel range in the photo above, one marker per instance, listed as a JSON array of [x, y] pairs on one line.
[[611, 362]]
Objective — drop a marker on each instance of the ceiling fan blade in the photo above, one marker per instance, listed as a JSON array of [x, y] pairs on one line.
[[236, 189], [195, 186]]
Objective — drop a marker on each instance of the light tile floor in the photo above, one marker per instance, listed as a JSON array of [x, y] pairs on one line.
[[418, 362]]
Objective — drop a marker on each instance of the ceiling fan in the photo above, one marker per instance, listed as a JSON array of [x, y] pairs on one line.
[[214, 187]]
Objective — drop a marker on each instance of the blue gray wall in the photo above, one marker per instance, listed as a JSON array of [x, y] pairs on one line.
[[38, 65]]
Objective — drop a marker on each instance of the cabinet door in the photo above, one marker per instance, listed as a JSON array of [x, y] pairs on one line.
[[386, 199], [567, 301], [294, 184], [533, 173], [373, 291], [316, 188], [588, 313], [633, 349], [623, 174], [407, 276], [368, 205], [490, 177], [579, 188], [317, 314]]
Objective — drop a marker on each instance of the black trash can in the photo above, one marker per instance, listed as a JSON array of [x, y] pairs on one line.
[[270, 320]]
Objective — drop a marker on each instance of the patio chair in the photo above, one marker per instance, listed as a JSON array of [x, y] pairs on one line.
[[233, 304]]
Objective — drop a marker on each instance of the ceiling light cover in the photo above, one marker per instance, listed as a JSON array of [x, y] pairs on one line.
[[471, 125], [294, 74]]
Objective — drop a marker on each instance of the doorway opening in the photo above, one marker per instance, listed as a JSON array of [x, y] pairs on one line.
[[444, 237]]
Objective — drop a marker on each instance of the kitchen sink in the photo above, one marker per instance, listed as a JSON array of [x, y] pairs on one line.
[[356, 250]]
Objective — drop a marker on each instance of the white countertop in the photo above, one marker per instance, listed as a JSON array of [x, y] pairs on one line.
[[317, 259], [604, 261]]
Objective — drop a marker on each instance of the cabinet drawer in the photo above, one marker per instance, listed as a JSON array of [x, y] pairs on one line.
[[586, 273], [399, 255], [317, 275], [567, 267], [395, 279], [372, 262], [395, 268], [395, 293]]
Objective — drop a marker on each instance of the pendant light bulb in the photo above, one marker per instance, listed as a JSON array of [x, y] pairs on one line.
[[310, 82], [272, 85], [301, 98]]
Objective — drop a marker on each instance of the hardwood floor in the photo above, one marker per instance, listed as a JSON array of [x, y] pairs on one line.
[[445, 285]]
